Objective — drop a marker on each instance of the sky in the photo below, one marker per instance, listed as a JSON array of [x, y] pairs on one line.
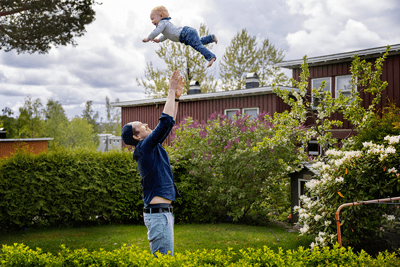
[[111, 55]]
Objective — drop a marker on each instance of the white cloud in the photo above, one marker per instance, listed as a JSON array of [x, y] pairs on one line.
[[305, 7], [356, 32], [333, 26], [365, 8], [110, 56], [16, 107]]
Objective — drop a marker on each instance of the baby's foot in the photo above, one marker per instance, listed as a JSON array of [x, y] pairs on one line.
[[211, 62], [215, 39]]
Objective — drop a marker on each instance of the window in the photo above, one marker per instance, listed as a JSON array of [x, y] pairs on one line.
[[253, 112], [316, 83], [301, 187], [230, 112], [342, 83], [313, 148]]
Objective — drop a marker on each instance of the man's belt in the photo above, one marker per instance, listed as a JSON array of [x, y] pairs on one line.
[[158, 210]]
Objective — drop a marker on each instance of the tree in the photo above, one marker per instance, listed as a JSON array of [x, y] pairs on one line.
[[243, 56], [30, 122], [55, 119], [34, 25], [225, 170], [268, 72], [92, 118], [239, 59], [113, 122], [343, 176], [366, 77], [78, 133], [7, 111], [177, 56], [89, 114], [8, 122]]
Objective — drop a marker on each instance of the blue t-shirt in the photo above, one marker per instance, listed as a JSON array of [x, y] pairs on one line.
[[153, 163]]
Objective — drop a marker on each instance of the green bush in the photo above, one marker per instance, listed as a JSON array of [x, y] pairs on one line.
[[68, 187], [218, 171], [383, 123], [20, 255], [224, 176]]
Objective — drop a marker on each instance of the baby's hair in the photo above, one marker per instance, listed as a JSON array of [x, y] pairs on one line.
[[162, 10]]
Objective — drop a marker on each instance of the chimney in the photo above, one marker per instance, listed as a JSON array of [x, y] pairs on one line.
[[252, 80], [3, 133], [194, 88]]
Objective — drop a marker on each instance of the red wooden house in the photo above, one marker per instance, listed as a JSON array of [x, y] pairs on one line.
[[335, 70], [200, 106], [34, 145]]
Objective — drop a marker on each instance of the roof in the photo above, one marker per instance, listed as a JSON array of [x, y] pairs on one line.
[[205, 96], [309, 167], [306, 166], [341, 57], [25, 139]]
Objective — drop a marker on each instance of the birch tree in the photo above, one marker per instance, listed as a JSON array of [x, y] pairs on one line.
[[244, 56]]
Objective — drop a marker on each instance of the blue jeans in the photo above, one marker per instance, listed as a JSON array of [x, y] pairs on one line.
[[189, 36], [160, 232]]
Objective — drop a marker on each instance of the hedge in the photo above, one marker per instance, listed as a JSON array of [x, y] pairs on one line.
[[68, 187], [21, 255], [83, 187]]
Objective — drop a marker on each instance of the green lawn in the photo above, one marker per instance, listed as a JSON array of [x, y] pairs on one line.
[[187, 237]]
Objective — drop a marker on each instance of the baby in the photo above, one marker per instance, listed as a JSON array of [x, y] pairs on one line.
[[160, 17]]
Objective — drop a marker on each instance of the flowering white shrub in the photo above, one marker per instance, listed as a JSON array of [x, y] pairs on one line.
[[350, 176], [392, 139], [391, 217]]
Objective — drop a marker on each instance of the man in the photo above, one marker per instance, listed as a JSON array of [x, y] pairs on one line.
[[157, 181]]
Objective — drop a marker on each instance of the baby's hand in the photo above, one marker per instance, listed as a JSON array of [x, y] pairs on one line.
[[156, 40], [145, 40]]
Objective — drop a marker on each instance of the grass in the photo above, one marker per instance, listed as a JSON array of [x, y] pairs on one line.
[[187, 237]]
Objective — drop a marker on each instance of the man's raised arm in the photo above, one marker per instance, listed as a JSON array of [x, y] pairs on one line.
[[176, 84], [178, 94]]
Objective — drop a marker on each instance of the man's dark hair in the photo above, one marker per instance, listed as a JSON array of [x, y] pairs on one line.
[[127, 133]]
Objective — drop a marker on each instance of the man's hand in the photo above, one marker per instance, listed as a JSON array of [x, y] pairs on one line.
[[145, 40], [176, 83], [181, 85], [156, 40]]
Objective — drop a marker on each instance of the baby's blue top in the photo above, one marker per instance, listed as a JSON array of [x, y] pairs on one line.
[[169, 31]]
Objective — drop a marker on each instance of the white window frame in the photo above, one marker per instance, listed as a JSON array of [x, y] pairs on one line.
[[257, 108], [314, 153], [336, 85], [326, 79], [299, 189], [230, 109]]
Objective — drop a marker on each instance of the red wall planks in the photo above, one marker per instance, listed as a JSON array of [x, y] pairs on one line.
[[202, 110], [390, 73]]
